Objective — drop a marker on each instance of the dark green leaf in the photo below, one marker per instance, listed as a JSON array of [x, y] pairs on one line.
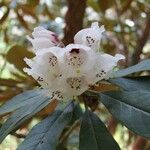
[[94, 134], [45, 135], [20, 100], [22, 114], [142, 66], [131, 108], [77, 113], [133, 84]]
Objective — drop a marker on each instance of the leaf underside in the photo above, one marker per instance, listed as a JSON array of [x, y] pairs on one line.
[[132, 108], [21, 115], [45, 135], [142, 66], [133, 84], [20, 100]]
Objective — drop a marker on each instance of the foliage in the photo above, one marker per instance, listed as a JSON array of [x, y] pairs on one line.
[[125, 105], [77, 123]]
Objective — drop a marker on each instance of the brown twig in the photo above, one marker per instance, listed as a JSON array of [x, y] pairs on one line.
[[18, 135], [74, 19], [66, 135], [121, 37], [125, 6], [141, 42], [119, 46], [112, 125], [139, 143]]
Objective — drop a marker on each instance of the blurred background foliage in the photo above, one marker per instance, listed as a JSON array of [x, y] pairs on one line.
[[127, 24]]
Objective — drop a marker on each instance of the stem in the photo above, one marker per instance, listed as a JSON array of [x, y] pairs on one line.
[[74, 19], [141, 42], [66, 135]]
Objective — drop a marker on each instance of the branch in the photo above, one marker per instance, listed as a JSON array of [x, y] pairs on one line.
[[126, 6], [141, 42], [18, 135], [139, 143], [74, 19]]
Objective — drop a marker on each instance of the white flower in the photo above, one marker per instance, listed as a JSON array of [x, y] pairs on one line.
[[69, 71], [90, 36], [74, 86], [103, 67], [43, 38], [77, 59], [45, 66]]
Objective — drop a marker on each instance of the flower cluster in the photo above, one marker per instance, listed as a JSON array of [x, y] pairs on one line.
[[69, 71]]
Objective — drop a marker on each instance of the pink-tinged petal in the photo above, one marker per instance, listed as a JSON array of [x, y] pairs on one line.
[[42, 32], [43, 38], [41, 43]]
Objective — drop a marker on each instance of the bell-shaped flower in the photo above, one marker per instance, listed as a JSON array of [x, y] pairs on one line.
[[103, 67], [74, 86], [43, 38], [45, 66], [78, 59], [69, 71], [90, 36]]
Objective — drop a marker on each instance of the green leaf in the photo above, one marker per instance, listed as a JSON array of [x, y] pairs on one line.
[[142, 66], [77, 112], [45, 135], [20, 100], [94, 134], [133, 84], [132, 108], [22, 114]]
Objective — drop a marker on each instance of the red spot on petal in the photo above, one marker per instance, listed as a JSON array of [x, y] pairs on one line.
[[75, 50], [56, 40]]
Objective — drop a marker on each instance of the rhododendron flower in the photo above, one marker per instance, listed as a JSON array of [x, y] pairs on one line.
[[68, 71], [90, 36], [43, 38]]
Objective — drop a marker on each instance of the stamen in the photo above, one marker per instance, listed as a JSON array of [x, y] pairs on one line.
[[74, 83]]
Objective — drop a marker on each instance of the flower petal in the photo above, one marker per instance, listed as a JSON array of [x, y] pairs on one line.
[[40, 43], [68, 71], [42, 32], [104, 66], [46, 65], [90, 36], [77, 59], [75, 85], [43, 38]]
